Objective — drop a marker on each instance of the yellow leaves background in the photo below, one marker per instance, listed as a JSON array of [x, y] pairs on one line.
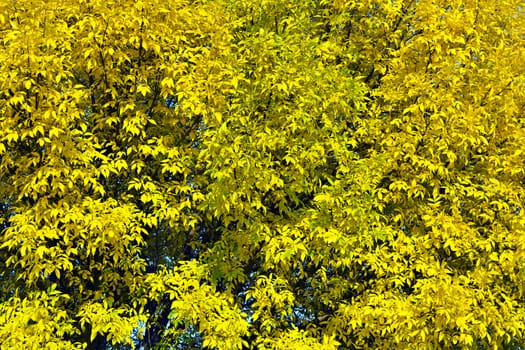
[[261, 174]]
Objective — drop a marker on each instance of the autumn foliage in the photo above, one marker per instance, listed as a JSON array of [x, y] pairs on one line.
[[262, 174]]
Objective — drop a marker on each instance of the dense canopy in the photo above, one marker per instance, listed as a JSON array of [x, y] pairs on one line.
[[262, 174]]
